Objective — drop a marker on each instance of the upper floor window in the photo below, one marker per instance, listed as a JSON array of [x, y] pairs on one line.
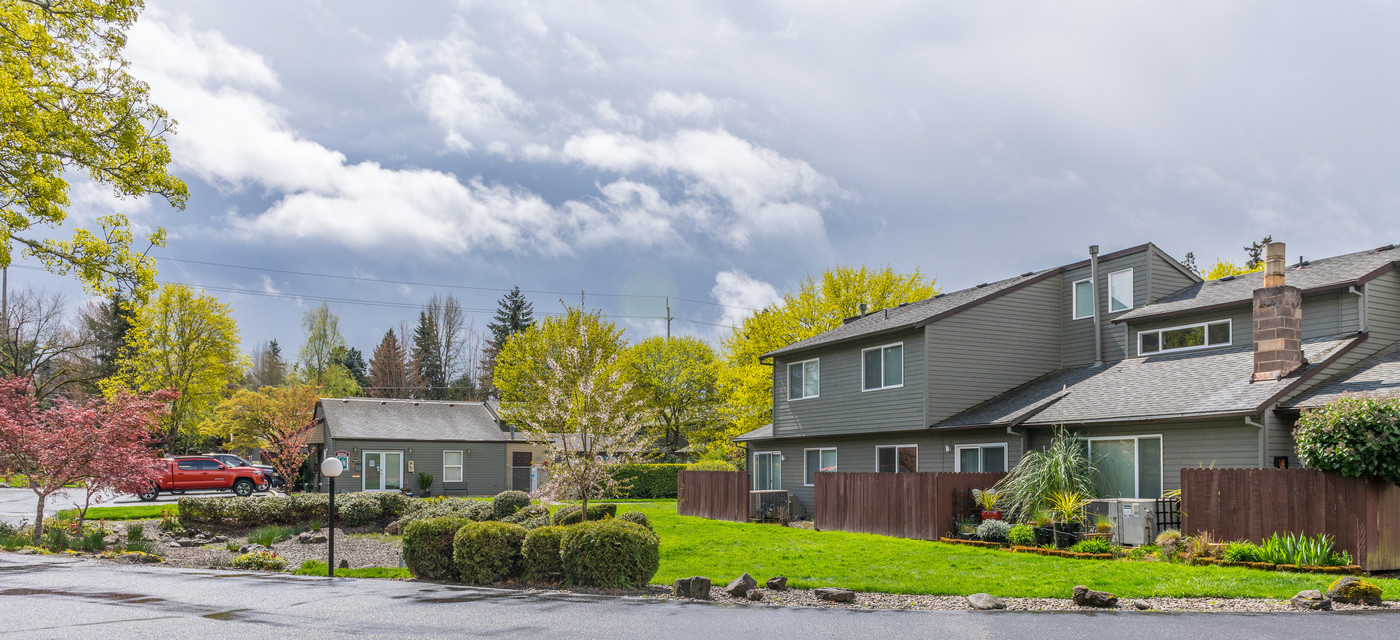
[[1193, 336], [1120, 290], [883, 367], [804, 379], [1083, 294]]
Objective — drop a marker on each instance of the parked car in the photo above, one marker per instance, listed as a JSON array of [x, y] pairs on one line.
[[273, 479], [202, 472]]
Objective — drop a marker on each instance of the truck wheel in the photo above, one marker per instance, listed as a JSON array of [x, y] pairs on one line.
[[149, 494], [243, 487]]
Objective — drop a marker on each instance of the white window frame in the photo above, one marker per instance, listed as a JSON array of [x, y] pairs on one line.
[[1137, 459], [882, 348], [1005, 454], [819, 461], [1205, 326], [383, 480], [777, 480], [896, 447], [1132, 286], [460, 467], [803, 364], [1074, 299]]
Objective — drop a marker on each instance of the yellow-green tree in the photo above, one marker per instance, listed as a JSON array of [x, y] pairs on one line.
[[250, 420], [67, 103], [1224, 268], [819, 304], [185, 341], [523, 373], [675, 380], [317, 363]]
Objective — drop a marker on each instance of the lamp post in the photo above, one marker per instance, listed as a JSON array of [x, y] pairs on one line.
[[331, 468]]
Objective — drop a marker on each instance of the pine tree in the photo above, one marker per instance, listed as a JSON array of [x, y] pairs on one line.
[[354, 361], [1255, 251], [388, 369], [514, 314], [109, 328], [427, 358]]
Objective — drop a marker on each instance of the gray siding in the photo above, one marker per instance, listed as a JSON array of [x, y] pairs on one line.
[[1241, 326], [1323, 315], [841, 405], [481, 469], [1166, 277], [1079, 334], [1383, 308], [1220, 444]]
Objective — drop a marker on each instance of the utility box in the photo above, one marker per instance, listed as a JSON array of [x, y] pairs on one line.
[[1134, 520]]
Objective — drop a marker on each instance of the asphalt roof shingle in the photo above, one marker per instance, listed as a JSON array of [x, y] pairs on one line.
[[764, 432], [384, 419], [1196, 383], [1377, 374]]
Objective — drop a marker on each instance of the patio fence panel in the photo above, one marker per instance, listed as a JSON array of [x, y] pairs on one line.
[[904, 505], [717, 495]]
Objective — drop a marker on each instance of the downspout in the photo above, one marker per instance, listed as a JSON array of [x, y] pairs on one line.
[[1098, 328], [1025, 442], [1362, 304], [1263, 440]]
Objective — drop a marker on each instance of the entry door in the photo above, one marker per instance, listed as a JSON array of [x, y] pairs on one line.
[[520, 470], [383, 470]]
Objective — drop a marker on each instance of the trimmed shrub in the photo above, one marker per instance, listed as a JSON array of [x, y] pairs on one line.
[[487, 552], [539, 555], [646, 480], [609, 553], [1357, 436], [573, 514], [712, 465], [352, 509], [636, 517], [428, 547], [993, 530], [446, 508], [526, 514], [1021, 535], [536, 522], [506, 503]]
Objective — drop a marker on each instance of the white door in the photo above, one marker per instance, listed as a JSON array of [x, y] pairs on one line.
[[383, 470]]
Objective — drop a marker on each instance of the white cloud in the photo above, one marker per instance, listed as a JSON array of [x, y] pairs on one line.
[[581, 55], [690, 106], [469, 104], [740, 293]]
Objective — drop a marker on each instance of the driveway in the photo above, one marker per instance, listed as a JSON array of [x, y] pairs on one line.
[[45, 597], [18, 504]]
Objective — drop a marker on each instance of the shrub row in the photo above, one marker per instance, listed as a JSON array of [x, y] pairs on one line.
[[352, 509], [647, 480], [573, 514]]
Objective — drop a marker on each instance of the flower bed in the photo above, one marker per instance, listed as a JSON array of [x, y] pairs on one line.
[[1353, 569]]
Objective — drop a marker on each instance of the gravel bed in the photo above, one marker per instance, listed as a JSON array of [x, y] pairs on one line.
[[360, 552]]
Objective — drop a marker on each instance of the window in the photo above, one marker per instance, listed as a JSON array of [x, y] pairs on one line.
[[1127, 467], [883, 367], [980, 457], [1120, 290], [804, 379], [452, 466], [1083, 295], [188, 465], [1193, 336], [818, 460], [210, 465], [767, 471], [902, 458]]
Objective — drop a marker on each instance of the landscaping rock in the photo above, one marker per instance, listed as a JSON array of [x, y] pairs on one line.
[[311, 538], [1141, 606], [835, 594], [137, 558], [754, 594], [1086, 597], [741, 585], [174, 545], [344, 564], [697, 587], [985, 602], [1311, 599], [249, 548], [393, 528], [1354, 590], [777, 584]]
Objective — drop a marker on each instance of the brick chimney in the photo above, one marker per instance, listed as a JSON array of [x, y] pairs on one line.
[[1278, 321]]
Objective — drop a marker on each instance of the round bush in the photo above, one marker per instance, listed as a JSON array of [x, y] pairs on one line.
[[1355, 436], [506, 503], [609, 553], [993, 530], [526, 514], [573, 514], [636, 517], [1021, 535], [712, 465], [428, 547], [487, 552], [357, 509], [539, 556]]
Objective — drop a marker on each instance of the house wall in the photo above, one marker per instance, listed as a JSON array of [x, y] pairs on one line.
[[1219, 444], [841, 406], [481, 469], [1324, 314], [1167, 278], [1079, 334]]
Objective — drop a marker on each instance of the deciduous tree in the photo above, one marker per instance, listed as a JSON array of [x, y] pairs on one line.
[[40, 343], [675, 380], [269, 368], [319, 361], [274, 420], [388, 369]]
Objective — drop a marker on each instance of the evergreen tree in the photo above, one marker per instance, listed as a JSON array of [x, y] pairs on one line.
[[427, 358], [1255, 251], [388, 369], [354, 362], [514, 314], [109, 327], [269, 368]]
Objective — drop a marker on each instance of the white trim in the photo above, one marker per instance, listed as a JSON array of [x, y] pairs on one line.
[[1005, 454], [1074, 299], [1204, 325], [788, 383], [383, 481], [1132, 290], [1137, 462], [778, 481], [460, 466], [819, 461], [882, 348], [896, 447]]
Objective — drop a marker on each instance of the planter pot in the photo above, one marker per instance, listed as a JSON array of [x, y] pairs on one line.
[[991, 515]]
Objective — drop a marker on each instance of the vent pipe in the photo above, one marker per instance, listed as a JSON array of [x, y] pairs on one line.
[[1098, 325]]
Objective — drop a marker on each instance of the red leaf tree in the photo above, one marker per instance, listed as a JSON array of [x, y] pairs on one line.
[[103, 445]]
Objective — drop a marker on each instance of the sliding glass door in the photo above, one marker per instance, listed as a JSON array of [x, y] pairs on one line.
[[383, 470]]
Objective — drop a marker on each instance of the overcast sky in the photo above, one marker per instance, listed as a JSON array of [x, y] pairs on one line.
[[720, 151]]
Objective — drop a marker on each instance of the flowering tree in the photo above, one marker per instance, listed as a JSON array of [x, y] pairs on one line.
[[276, 420], [101, 445], [581, 410]]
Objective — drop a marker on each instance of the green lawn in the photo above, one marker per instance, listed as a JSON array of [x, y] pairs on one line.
[[318, 568], [134, 512]]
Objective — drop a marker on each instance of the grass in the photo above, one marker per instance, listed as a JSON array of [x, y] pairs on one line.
[[272, 534], [134, 512], [318, 568]]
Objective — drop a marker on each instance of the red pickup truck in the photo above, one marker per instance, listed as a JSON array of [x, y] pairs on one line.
[[200, 472]]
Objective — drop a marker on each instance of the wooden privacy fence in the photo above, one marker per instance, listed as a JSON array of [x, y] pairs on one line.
[[717, 495], [1363, 516], [904, 505]]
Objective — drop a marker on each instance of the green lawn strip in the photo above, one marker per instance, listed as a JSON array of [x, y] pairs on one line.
[[318, 568], [135, 512], [864, 562], [22, 481]]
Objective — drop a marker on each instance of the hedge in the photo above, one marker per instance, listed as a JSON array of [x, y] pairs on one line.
[[610, 553], [506, 503], [487, 552], [428, 547], [352, 509], [636, 517], [539, 556], [573, 514], [647, 480]]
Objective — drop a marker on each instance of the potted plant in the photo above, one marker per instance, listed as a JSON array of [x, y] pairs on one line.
[[425, 483], [987, 499]]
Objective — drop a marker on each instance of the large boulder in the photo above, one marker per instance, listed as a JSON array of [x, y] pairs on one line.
[[697, 587], [1086, 597], [985, 602], [1354, 590], [835, 594], [741, 585], [1312, 599], [777, 584]]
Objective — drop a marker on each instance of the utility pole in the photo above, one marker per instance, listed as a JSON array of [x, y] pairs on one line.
[[668, 318]]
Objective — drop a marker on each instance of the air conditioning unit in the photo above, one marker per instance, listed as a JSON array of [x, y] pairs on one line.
[[1134, 520]]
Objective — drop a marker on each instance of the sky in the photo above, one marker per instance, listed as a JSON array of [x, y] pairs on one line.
[[719, 152]]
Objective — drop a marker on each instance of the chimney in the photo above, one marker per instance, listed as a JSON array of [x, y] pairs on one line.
[[1278, 321]]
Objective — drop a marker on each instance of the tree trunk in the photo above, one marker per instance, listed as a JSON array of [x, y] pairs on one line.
[[82, 513], [585, 508], [39, 519]]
